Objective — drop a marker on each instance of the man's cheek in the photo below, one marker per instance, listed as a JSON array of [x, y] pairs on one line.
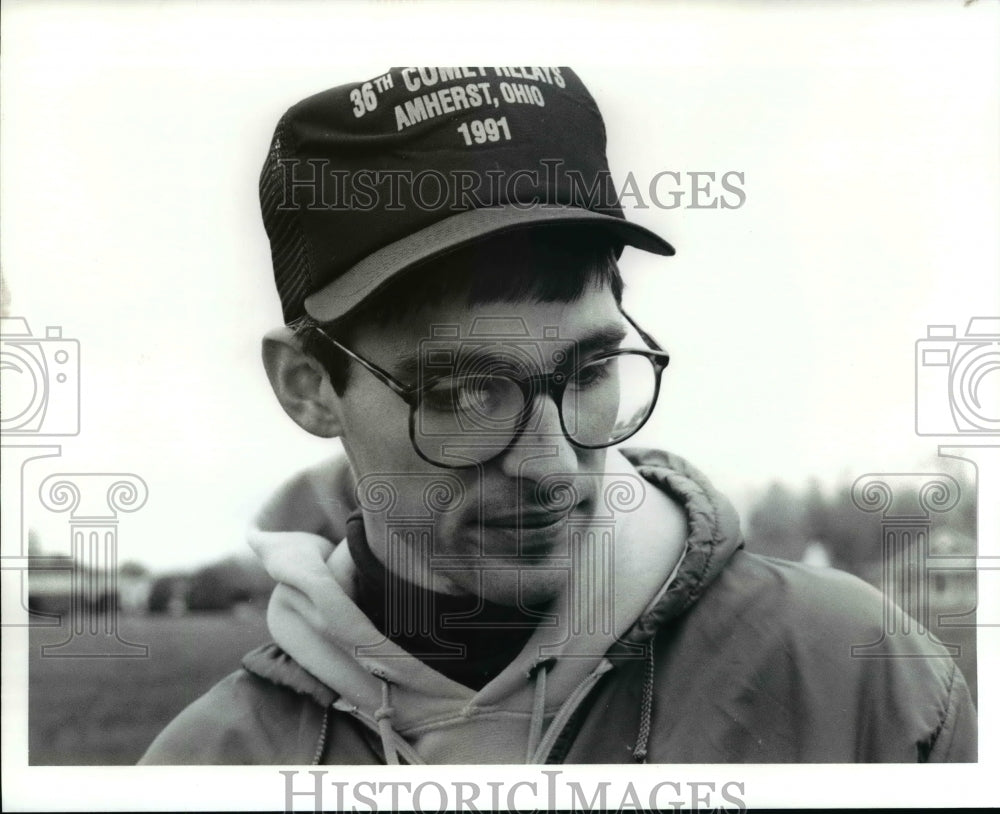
[[375, 435]]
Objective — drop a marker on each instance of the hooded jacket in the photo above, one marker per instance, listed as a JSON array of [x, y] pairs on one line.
[[717, 656]]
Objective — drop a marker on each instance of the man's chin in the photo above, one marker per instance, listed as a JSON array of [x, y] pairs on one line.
[[540, 587], [527, 586]]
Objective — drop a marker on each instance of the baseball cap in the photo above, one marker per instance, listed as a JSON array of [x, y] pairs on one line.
[[372, 179]]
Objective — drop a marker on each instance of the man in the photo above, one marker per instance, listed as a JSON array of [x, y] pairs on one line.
[[489, 578]]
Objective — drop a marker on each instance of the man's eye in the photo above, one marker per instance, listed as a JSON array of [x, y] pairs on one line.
[[441, 396], [594, 374], [472, 396], [459, 394]]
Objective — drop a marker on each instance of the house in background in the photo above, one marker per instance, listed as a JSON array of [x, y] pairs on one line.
[[55, 581]]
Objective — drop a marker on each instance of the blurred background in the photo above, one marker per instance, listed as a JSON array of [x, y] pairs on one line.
[[132, 138]]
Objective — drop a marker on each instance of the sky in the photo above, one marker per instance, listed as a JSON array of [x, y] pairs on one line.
[[866, 136]]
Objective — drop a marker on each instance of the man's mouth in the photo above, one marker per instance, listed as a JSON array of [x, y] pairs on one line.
[[533, 518], [527, 520]]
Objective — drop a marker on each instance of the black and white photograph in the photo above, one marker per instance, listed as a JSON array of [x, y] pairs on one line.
[[618, 434]]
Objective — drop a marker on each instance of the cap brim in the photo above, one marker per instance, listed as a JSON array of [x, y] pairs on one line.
[[365, 278]]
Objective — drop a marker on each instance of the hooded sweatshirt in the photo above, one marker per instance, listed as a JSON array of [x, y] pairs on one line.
[[667, 643]]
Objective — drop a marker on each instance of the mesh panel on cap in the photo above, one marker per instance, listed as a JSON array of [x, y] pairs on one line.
[[289, 256]]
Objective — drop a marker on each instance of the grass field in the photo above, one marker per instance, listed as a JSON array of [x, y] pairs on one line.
[[90, 712]]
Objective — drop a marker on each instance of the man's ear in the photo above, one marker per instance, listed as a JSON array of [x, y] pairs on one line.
[[301, 384]]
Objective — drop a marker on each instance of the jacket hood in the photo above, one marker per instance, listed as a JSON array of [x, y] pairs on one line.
[[713, 535], [670, 543]]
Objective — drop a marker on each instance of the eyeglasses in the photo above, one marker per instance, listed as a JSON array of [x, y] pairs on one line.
[[483, 402]]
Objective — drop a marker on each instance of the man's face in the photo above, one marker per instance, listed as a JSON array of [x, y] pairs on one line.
[[499, 525]]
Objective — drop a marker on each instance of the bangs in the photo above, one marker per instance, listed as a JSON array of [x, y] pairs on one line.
[[555, 264]]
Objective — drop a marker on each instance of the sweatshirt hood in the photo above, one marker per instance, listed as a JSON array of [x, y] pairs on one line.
[[649, 565]]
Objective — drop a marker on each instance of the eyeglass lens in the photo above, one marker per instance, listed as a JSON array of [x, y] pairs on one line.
[[475, 415]]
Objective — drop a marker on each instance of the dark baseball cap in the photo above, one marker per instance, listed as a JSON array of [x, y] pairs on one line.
[[368, 180]]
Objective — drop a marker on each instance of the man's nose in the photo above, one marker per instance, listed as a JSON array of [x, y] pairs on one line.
[[542, 449]]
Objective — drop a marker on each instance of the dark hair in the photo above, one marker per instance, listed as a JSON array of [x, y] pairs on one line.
[[554, 264]]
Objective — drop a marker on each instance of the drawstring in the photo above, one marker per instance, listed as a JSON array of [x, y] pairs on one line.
[[646, 709], [538, 672], [383, 717]]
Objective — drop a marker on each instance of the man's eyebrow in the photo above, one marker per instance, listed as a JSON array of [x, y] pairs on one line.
[[607, 337], [406, 366]]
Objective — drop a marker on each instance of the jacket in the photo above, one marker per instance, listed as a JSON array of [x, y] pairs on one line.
[[736, 657]]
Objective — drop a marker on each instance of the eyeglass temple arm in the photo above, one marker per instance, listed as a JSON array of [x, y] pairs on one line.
[[382, 375], [645, 336]]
